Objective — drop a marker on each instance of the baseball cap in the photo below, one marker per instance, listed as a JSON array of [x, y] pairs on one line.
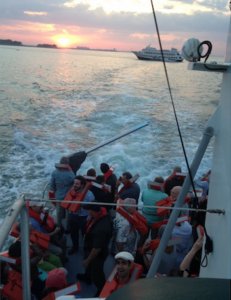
[[56, 279], [124, 255], [36, 203]]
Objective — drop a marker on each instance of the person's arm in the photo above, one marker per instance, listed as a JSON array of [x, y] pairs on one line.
[[37, 254], [188, 258], [147, 262], [205, 176], [56, 231], [93, 254]]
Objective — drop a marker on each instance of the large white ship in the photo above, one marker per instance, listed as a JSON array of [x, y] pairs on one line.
[[150, 53]]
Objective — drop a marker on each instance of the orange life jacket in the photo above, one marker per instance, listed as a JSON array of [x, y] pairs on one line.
[[136, 219], [129, 183], [173, 175], [112, 282], [200, 231], [73, 196], [167, 202], [155, 186], [45, 220], [109, 172], [36, 237], [164, 222], [12, 290], [92, 221], [12, 260], [63, 167], [154, 244], [69, 290]]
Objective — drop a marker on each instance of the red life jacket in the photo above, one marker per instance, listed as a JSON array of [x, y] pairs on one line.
[[136, 219], [72, 195], [200, 231], [92, 221], [129, 183], [154, 244], [112, 282], [168, 202], [49, 224], [12, 290], [175, 175], [69, 290], [164, 222], [12, 260], [155, 186], [109, 172], [36, 237]]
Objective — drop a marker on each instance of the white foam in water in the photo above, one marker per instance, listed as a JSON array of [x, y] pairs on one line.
[[88, 108]]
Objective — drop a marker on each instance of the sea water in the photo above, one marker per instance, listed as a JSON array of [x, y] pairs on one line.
[[57, 102]]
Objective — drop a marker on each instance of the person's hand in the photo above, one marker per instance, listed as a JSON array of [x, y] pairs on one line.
[[145, 247], [57, 230], [198, 244]]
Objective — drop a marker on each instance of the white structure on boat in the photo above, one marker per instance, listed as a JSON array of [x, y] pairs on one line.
[[150, 53]]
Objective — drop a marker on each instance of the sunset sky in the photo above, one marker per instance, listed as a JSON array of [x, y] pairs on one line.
[[121, 24]]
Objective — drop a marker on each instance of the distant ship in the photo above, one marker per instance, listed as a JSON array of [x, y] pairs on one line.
[[150, 53]]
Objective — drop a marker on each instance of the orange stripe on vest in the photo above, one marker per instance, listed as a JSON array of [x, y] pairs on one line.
[[109, 172], [36, 237], [136, 219], [69, 290], [111, 284], [164, 222], [168, 202], [154, 244], [73, 196]]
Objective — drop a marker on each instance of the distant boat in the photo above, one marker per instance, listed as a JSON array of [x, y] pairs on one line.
[[150, 53]]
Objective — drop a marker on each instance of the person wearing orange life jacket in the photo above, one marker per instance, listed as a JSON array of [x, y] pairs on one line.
[[97, 238], [124, 261], [78, 220], [151, 197], [47, 225], [62, 180], [174, 195], [133, 191], [110, 181], [124, 233], [176, 181]]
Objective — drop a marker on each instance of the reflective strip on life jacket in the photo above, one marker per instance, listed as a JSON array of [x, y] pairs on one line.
[[155, 186], [73, 196], [136, 219], [200, 231], [92, 178], [164, 222], [154, 244], [63, 167], [109, 172], [104, 187], [69, 290], [129, 183], [111, 284], [51, 196], [12, 260]]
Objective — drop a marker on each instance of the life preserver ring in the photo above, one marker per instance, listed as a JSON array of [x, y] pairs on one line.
[[112, 284], [136, 219], [73, 196], [164, 222], [44, 219], [36, 237], [12, 290], [154, 244], [129, 183], [109, 172], [168, 202], [69, 290], [175, 175]]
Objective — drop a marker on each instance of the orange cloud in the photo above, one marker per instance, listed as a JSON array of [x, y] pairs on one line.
[[33, 13]]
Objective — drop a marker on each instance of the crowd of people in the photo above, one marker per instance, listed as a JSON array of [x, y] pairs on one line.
[[105, 230]]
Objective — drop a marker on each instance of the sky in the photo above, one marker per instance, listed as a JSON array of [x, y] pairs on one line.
[[125, 25]]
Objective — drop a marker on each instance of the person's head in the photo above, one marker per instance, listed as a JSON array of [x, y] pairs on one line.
[[4, 272], [37, 206], [104, 168], [100, 179], [92, 209], [15, 249], [91, 172], [125, 177], [177, 169], [56, 279], [175, 192], [79, 183], [124, 262], [64, 160], [130, 209], [159, 179], [174, 272]]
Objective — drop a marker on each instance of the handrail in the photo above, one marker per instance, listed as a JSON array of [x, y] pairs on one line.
[[19, 207]]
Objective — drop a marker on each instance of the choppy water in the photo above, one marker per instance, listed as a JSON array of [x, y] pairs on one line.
[[56, 102]]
